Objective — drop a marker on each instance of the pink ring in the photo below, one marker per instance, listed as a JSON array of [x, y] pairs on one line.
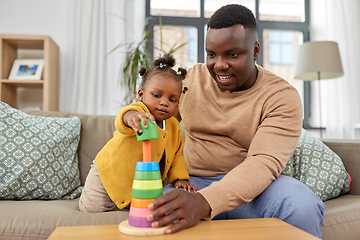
[[139, 212]]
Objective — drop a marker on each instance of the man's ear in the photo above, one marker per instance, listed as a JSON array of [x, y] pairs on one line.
[[140, 94], [256, 51]]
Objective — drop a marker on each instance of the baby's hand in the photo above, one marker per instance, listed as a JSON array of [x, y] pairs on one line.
[[132, 119], [185, 184]]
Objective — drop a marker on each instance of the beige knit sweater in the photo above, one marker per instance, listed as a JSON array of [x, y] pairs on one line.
[[247, 135]]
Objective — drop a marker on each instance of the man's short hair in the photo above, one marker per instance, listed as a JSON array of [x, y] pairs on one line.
[[230, 15]]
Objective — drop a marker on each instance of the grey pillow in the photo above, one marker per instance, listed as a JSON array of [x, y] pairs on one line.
[[317, 166], [38, 156]]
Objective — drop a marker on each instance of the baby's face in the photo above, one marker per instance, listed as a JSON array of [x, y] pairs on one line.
[[161, 95]]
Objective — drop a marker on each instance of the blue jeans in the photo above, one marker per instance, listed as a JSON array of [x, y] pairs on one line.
[[286, 199]]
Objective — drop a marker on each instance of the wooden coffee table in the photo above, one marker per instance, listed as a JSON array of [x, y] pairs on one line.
[[258, 228]]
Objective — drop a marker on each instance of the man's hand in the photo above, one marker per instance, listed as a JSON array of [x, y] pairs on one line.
[[187, 208]]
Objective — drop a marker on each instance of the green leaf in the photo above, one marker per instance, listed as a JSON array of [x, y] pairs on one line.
[[138, 55]]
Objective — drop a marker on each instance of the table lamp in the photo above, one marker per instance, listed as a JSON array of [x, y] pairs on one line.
[[316, 61]]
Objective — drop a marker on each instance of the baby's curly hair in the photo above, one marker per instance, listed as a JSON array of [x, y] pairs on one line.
[[163, 65]]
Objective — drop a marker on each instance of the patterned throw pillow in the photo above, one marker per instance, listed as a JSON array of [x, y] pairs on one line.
[[38, 156], [317, 166]]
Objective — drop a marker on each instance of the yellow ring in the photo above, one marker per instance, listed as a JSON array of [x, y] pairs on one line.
[[147, 184]]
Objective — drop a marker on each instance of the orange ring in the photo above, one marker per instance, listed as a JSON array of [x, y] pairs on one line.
[[141, 203]]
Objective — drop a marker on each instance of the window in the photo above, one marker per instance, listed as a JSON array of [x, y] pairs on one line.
[[174, 36], [281, 47], [282, 28], [280, 51], [175, 8], [192, 56], [279, 10], [210, 6]]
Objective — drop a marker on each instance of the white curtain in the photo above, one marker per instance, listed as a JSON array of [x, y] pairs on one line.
[[99, 26], [338, 20]]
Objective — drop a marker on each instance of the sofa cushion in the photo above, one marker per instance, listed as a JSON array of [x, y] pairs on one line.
[[96, 131], [348, 150], [318, 167], [342, 218], [38, 156]]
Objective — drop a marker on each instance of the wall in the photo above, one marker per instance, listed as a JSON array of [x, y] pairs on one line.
[[56, 18], [40, 17]]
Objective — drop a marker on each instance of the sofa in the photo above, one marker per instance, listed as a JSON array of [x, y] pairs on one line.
[[36, 219]]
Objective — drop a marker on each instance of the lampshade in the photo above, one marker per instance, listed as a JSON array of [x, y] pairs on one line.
[[318, 60]]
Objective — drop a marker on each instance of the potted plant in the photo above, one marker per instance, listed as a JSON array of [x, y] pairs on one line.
[[138, 55]]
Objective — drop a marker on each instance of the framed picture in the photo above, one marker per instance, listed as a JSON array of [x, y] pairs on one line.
[[27, 69]]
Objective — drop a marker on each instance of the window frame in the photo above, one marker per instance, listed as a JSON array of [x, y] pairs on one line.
[[200, 22]]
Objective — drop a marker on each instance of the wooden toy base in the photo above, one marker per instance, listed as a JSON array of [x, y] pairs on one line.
[[125, 228]]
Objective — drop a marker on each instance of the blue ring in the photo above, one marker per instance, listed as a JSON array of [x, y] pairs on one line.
[[147, 166]]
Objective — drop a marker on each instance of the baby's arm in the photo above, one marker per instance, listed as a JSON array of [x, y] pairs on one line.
[[132, 119], [180, 183]]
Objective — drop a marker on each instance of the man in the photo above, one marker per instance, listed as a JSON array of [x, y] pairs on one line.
[[242, 123]]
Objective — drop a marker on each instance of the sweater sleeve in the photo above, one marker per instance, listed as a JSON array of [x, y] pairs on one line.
[[119, 124]]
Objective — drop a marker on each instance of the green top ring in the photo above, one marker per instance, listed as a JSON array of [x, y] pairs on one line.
[[151, 132]]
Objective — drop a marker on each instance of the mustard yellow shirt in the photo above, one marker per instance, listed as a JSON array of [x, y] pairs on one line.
[[116, 161]]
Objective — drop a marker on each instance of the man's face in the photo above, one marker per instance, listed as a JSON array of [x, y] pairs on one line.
[[231, 55]]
